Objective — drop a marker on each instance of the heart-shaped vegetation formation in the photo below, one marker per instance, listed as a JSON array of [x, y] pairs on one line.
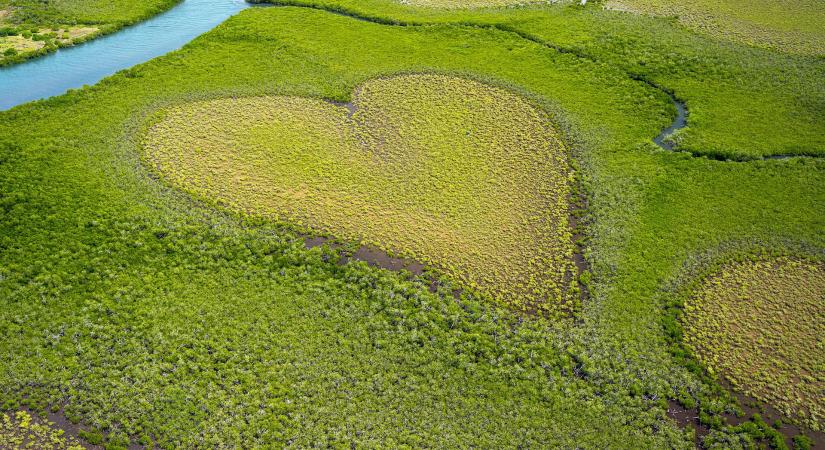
[[761, 324], [458, 174]]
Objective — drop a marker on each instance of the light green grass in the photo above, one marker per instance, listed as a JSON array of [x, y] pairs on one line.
[[463, 176], [465, 4], [744, 102], [790, 26], [19, 44], [59, 36], [761, 324], [61, 23], [226, 331], [156, 315], [82, 11], [110, 11]]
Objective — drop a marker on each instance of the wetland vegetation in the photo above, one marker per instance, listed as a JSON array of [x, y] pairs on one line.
[[20, 430], [30, 28], [794, 27], [157, 289], [760, 323], [463, 176]]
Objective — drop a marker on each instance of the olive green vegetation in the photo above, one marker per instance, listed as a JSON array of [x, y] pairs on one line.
[[792, 26], [151, 314], [122, 12], [744, 102], [463, 4], [448, 171], [153, 317], [761, 324], [21, 430], [22, 43], [35, 27]]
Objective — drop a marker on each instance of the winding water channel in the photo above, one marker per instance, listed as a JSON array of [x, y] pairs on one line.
[[678, 123], [88, 63]]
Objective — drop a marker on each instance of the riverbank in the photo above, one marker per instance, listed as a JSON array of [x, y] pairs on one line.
[[34, 30], [88, 63]]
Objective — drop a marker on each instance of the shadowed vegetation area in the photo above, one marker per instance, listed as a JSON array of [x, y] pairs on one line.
[[21, 430], [154, 317], [761, 324], [469, 178], [30, 28]]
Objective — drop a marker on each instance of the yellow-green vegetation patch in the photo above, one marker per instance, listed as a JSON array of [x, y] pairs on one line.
[[792, 26], [21, 42], [467, 177], [21, 430], [761, 324], [469, 4], [70, 33], [38, 27]]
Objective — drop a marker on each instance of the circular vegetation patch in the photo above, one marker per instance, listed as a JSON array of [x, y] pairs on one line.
[[761, 324], [464, 176]]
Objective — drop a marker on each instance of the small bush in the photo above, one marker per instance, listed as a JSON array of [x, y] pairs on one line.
[[92, 437], [802, 442]]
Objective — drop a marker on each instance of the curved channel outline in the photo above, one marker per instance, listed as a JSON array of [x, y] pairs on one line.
[[661, 141], [678, 123], [91, 61]]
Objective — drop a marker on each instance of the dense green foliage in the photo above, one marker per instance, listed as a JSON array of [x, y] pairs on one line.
[[35, 27], [444, 170], [729, 269], [744, 102], [150, 314], [72, 12], [21, 42], [792, 26], [760, 323]]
